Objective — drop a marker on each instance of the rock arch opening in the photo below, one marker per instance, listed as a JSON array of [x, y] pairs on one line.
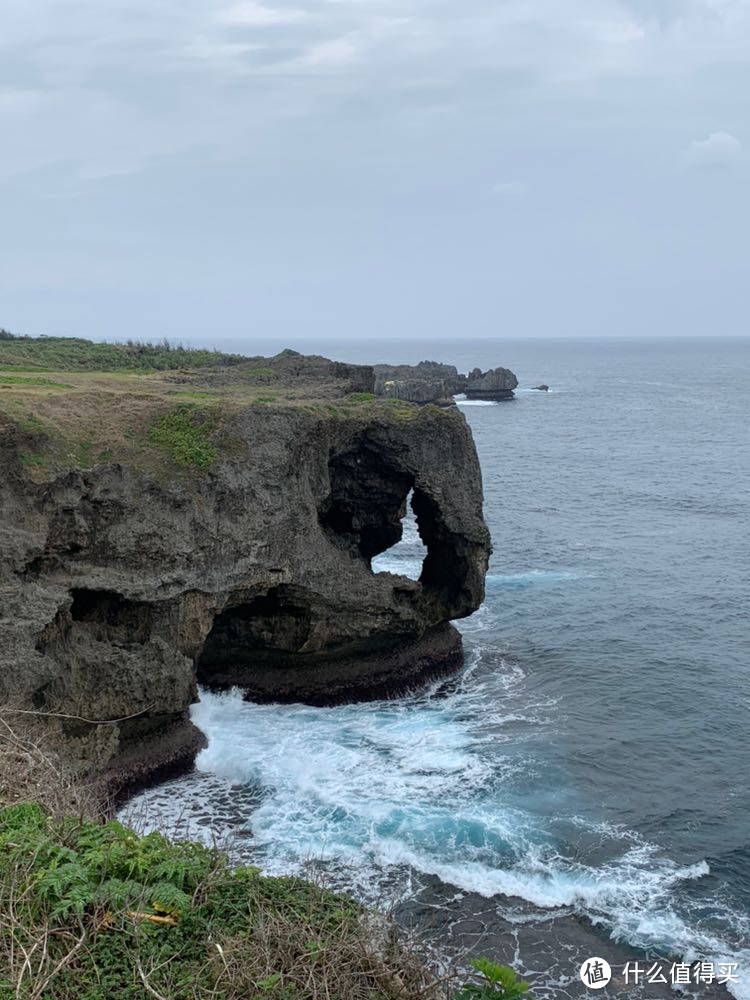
[[407, 555], [378, 511], [363, 511]]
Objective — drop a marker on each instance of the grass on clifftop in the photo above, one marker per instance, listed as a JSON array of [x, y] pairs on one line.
[[77, 354], [162, 409], [184, 433]]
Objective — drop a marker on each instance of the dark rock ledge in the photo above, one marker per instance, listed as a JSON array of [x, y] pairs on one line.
[[121, 588]]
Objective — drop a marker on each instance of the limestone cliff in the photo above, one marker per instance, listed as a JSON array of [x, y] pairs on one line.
[[433, 382], [126, 582]]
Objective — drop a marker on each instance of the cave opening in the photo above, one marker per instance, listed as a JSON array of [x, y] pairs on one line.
[[270, 625], [111, 616]]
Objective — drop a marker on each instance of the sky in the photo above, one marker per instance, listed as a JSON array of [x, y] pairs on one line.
[[214, 171]]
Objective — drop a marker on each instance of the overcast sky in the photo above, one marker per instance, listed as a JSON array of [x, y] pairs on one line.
[[212, 170]]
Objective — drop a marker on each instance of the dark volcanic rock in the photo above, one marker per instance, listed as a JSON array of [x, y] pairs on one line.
[[429, 371], [498, 383], [119, 588], [542, 387], [416, 390], [432, 382], [427, 382]]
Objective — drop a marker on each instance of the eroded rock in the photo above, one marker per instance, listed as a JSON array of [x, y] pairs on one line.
[[432, 382], [496, 384], [120, 591]]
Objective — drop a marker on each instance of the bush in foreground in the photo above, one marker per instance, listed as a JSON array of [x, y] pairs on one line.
[[91, 910]]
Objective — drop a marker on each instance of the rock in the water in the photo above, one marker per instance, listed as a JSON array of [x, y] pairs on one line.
[[542, 387], [432, 382], [498, 383]]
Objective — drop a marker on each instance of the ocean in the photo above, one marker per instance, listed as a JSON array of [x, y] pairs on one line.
[[582, 786]]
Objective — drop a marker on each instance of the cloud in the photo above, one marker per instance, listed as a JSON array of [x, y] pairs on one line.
[[257, 15], [18, 101], [332, 55], [720, 149], [510, 189], [202, 74]]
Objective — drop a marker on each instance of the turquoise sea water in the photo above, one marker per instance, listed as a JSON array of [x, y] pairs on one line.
[[594, 756]]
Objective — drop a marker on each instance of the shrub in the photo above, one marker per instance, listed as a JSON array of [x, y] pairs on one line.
[[185, 434], [90, 911], [495, 981]]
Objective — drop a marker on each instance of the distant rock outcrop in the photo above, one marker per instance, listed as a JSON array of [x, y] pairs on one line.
[[498, 383], [415, 390], [542, 387], [427, 382], [433, 382]]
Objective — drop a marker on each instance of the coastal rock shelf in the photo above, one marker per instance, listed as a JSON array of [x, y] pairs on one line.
[[124, 585]]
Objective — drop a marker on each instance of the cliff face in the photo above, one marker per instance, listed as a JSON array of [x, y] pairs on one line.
[[432, 382], [121, 588], [496, 384]]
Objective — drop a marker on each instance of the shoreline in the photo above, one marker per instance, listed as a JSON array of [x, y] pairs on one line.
[[547, 945]]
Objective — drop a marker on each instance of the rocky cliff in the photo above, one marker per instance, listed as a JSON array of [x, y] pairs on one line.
[[225, 541], [433, 382]]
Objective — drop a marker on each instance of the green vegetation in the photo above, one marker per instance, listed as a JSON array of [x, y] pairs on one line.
[[77, 354], [31, 380], [262, 372], [360, 397], [185, 434], [271, 397], [31, 423], [83, 454], [494, 981], [32, 458], [90, 911]]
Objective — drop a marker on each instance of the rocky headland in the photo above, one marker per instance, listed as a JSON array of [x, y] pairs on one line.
[[433, 382], [215, 522]]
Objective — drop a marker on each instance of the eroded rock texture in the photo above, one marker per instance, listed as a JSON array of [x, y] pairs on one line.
[[119, 592], [495, 384], [433, 382]]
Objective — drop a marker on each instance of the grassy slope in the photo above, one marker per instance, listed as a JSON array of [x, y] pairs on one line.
[[163, 409]]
